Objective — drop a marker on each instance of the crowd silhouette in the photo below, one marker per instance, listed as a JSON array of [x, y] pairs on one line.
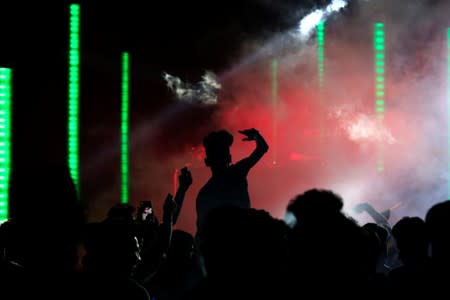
[[48, 251]]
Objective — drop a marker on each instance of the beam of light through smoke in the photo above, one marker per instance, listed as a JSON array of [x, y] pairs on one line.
[[309, 22], [203, 92], [293, 39]]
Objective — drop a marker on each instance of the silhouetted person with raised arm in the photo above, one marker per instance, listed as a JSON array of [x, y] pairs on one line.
[[389, 259], [147, 223], [228, 183], [154, 237], [156, 242]]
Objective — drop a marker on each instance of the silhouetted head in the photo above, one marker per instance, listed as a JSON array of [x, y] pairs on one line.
[[182, 246], [412, 239], [46, 215], [145, 209], [217, 147], [111, 248], [327, 245], [43, 192], [438, 225], [315, 206], [244, 246]]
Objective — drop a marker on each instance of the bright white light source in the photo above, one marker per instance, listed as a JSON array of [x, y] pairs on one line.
[[310, 21]]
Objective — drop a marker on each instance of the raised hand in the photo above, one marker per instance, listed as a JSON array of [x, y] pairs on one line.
[[185, 178], [360, 207], [250, 134]]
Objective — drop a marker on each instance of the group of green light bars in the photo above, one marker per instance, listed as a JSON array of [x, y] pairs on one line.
[[74, 96]]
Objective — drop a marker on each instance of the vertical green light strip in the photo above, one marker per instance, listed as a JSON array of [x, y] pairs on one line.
[[321, 54], [74, 91], [5, 139], [275, 109], [379, 69], [321, 74], [124, 127]]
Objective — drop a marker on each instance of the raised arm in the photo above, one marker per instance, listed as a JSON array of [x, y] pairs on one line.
[[378, 217], [166, 225], [261, 148], [184, 182]]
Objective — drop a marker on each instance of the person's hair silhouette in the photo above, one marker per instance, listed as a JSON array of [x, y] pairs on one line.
[[217, 147]]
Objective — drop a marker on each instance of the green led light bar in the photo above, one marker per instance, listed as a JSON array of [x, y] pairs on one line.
[[275, 110], [320, 56], [379, 72], [74, 93], [321, 53], [5, 139], [125, 128]]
